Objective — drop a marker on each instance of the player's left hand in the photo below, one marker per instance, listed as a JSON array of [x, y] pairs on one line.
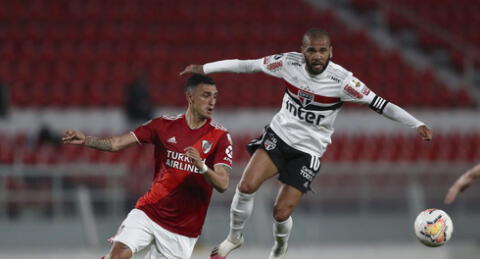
[[425, 132], [193, 153]]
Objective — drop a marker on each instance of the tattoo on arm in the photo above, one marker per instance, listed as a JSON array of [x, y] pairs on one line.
[[104, 144], [228, 169]]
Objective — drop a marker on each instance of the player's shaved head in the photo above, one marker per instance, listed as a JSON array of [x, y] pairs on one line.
[[313, 34], [197, 79]]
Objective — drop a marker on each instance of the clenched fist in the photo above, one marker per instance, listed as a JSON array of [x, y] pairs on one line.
[[73, 137]]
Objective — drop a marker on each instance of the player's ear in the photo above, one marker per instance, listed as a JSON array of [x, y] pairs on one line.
[[189, 96], [331, 51]]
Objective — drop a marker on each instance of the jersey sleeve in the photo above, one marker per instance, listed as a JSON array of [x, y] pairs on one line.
[[147, 132], [273, 65], [354, 90], [224, 151]]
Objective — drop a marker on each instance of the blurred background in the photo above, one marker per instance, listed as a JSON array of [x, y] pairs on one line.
[[106, 66]]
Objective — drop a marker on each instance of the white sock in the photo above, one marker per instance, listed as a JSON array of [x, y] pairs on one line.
[[240, 210], [281, 232]]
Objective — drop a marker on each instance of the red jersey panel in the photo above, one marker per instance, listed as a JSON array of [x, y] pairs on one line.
[[179, 196]]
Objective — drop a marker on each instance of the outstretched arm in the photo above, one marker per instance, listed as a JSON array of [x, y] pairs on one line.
[[356, 91], [398, 114], [113, 143], [462, 183], [218, 177], [230, 65]]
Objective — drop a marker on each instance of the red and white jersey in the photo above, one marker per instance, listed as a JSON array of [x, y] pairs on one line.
[[179, 196], [311, 102]]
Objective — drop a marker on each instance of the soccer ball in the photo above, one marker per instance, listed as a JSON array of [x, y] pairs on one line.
[[433, 227]]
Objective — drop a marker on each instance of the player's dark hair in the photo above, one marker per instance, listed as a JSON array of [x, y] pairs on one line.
[[315, 33], [196, 79]]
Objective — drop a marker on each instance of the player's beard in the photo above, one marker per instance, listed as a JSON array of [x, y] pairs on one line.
[[310, 69]]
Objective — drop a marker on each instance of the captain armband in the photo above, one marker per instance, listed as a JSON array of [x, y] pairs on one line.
[[378, 104]]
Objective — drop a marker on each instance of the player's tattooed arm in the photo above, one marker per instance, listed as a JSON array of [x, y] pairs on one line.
[[104, 144], [227, 169], [101, 143]]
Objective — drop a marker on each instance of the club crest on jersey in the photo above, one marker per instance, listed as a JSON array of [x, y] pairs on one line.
[[305, 97], [206, 146]]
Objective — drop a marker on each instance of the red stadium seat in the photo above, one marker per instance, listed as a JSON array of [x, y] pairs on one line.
[[87, 43]]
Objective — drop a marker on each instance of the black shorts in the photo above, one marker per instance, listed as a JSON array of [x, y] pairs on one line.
[[295, 168]]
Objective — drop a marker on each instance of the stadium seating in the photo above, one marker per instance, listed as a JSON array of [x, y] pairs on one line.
[[385, 148], [83, 53], [458, 18]]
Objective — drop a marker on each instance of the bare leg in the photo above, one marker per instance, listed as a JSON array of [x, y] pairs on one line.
[[287, 199], [259, 168]]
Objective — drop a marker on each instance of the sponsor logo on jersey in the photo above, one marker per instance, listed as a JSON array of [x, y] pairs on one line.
[[229, 153], [206, 146], [275, 65], [294, 63], [180, 161], [305, 97], [352, 92], [302, 114], [335, 79]]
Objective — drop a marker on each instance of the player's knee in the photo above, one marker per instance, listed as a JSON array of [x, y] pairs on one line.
[[246, 187], [282, 213]]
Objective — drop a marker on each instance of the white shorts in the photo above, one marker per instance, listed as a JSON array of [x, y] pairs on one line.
[[138, 231]]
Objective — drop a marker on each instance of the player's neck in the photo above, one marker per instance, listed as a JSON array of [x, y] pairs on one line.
[[194, 120]]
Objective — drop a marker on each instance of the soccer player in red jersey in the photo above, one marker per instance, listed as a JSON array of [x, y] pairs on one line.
[[193, 155]]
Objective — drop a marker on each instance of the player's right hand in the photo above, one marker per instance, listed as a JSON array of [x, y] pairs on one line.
[[425, 132], [73, 137], [193, 69]]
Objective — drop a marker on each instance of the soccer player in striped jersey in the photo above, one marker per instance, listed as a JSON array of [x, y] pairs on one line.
[[298, 135], [193, 155]]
